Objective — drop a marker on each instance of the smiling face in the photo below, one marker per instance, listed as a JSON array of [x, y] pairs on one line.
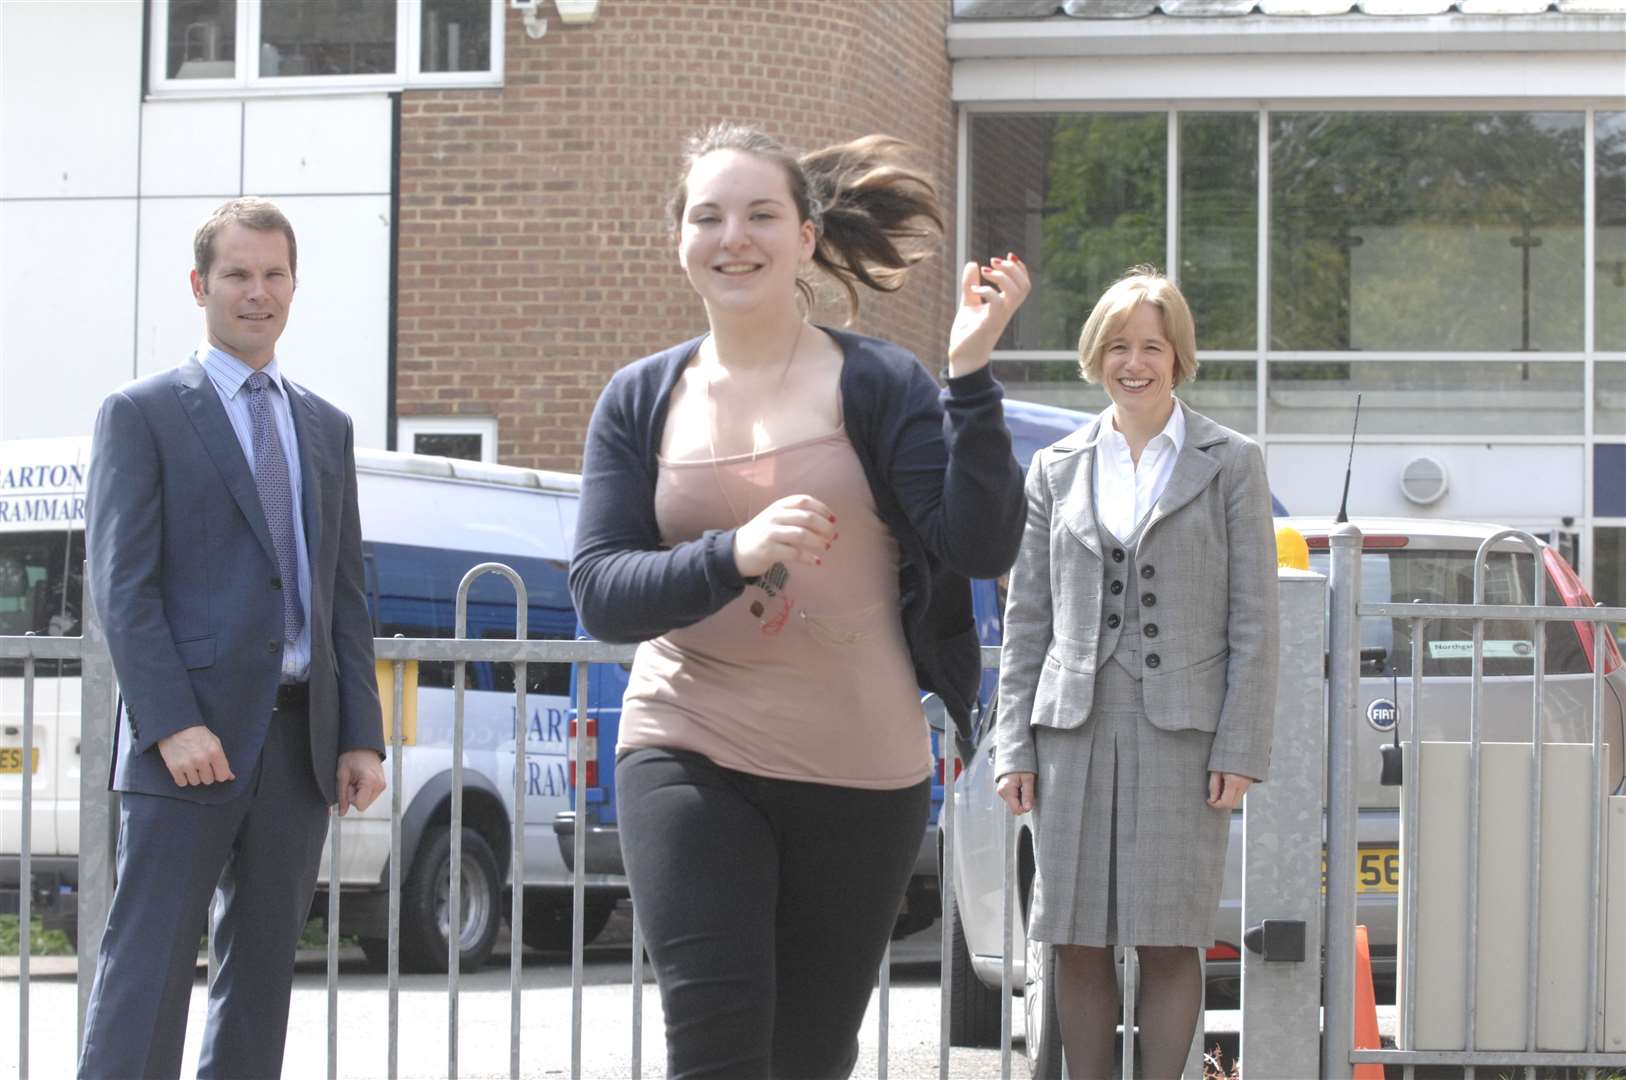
[[1138, 364], [742, 240], [246, 297]]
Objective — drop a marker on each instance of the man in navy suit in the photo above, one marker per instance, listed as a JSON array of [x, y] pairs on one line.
[[224, 545]]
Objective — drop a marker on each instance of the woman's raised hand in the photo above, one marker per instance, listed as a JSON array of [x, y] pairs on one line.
[[796, 529], [989, 296], [1016, 789]]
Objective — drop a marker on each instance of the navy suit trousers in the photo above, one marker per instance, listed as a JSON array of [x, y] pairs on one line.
[[261, 853]]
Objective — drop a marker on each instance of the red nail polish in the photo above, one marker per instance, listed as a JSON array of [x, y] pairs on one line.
[[832, 519], [817, 561]]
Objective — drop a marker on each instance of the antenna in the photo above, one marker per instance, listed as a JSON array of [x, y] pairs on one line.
[[1343, 504]]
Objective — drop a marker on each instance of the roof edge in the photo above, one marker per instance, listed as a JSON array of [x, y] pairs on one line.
[[1062, 35]]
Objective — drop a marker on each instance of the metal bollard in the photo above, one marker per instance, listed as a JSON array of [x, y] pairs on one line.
[[25, 867], [393, 967], [454, 897], [333, 946], [1343, 695]]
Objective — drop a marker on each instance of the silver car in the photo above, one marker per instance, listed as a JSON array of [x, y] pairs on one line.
[[1403, 559]]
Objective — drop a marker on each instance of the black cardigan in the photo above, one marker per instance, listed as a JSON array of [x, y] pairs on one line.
[[939, 467]]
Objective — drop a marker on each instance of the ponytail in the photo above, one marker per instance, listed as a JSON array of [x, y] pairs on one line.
[[875, 213]]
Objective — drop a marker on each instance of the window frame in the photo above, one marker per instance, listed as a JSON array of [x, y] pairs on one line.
[[246, 82], [407, 427]]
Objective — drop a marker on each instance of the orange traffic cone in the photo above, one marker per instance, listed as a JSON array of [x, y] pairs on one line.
[[1366, 1008]]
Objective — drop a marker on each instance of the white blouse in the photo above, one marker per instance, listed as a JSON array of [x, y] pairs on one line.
[[1124, 492]]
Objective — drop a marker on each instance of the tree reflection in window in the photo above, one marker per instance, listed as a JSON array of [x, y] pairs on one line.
[[1427, 231]]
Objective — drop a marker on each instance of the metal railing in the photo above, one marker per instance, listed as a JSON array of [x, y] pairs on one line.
[[97, 835], [1343, 689], [97, 848]]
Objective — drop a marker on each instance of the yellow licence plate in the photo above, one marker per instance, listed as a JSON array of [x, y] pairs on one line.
[[11, 759], [1377, 870]]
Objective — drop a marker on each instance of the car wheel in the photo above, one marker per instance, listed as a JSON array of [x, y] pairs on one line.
[[547, 922], [424, 903], [1039, 1003], [973, 1008]]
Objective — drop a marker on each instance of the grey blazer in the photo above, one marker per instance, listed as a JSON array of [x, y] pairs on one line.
[[185, 578], [1212, 544]]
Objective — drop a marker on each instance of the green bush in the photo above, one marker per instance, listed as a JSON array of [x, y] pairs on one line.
[[41, 942]]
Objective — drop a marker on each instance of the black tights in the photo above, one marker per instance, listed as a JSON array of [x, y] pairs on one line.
[[767, 905], [1166, 1011]]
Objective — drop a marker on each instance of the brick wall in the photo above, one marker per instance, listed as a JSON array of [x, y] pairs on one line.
[[535, 257]]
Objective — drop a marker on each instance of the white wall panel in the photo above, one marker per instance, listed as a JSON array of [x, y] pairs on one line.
[[192, 148], [1299, 77], [1502, 482], [317, 146], [337, 341], [70, 98], [66, 326], [169, 323]]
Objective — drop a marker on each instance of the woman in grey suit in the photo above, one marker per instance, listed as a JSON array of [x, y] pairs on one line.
[[1138, 687]]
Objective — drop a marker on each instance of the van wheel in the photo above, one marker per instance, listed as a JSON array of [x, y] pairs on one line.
[[1039, 1004], [973, 1008], [424, 902], [547, 921]]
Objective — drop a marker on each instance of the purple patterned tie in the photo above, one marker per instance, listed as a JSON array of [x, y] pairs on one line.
[[276, 499]]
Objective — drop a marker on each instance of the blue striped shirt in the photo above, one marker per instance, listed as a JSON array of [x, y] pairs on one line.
[[228, 375]]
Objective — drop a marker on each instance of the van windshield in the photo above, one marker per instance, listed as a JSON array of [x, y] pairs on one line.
[[1405, 575], [41, 580]]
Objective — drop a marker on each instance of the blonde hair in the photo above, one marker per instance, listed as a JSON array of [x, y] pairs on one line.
[[1140, 284]]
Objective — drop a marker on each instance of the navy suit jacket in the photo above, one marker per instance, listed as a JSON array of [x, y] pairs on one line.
[[185, 579]]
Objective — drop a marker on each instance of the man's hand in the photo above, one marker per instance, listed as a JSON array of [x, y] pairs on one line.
[[1017, 789], [194, 756], [1225, 790], [361, 779]]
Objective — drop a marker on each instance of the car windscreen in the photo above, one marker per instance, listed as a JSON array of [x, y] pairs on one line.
[[41, 578], [1407, 575]]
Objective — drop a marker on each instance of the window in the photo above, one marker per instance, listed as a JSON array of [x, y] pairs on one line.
[[1610, 251], [412, 591], [1080, 197], [1447, 577], [1439, 397], [252, 46], [41, 588], [472, 438], [1219, 232], [1427, 231], [1609, 396]]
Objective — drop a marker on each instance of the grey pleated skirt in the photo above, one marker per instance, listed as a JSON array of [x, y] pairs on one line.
[[1140, 859]]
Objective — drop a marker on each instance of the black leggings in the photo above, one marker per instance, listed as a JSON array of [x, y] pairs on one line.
[[766, 905]]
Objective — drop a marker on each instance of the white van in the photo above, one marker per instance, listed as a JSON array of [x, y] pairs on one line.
[[425, 522]]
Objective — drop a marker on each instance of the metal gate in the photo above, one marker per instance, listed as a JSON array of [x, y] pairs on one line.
[[1431, 792]]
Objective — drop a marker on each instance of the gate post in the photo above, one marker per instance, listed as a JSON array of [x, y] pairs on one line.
[[1281, 830], [98, 817], [1343, 696]]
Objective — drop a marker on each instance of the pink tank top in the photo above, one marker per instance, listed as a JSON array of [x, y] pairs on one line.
[[810, 680]]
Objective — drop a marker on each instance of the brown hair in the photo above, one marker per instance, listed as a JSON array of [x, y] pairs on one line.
[[1138, 284], [873, 212], [251, 213]]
